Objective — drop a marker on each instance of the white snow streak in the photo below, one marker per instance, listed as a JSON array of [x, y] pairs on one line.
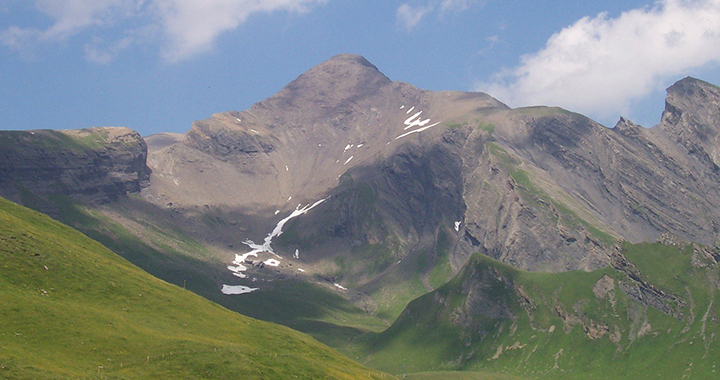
[[238, 267], [237, 289], [301, 270], [340, 286], [417, 130], [272, 262], [457, 226], [348, 160], [296, 255], [410, 110]]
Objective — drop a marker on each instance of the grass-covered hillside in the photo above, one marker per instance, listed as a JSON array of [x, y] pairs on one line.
[[651, 315], [71, 308]]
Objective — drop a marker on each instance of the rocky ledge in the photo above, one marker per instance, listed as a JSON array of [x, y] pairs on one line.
[[94, 164]]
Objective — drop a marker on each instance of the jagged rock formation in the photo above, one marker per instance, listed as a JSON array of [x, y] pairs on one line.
[[95, 165]]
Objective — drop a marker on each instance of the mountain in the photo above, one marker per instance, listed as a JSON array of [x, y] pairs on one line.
[[70, 308], [414, 181], [345, 196]]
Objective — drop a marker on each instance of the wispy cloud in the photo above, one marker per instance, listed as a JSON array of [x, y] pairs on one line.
[[184, 28], [409, 16], [600, 65]]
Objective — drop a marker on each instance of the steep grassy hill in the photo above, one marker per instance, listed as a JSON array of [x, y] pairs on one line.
[[71, 308], [651, 314]]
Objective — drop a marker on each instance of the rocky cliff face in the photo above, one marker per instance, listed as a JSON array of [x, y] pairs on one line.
[[421, 173], [95, 164]]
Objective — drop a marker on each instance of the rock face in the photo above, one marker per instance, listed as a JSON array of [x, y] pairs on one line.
[[424, 173], [95, 164]]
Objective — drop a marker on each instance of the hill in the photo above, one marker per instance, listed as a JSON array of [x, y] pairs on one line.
[[634, 317], [71, 308]]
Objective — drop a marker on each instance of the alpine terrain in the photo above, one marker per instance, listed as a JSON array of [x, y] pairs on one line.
[[418, 231]]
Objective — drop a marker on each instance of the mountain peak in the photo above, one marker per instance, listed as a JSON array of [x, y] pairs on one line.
[[690, 87], [339, 79]]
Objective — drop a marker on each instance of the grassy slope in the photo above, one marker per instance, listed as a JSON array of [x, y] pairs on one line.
[[537, 342], [68, 305]]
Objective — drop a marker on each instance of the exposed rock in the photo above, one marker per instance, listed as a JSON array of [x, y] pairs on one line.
[[603, 286], [95, 164]]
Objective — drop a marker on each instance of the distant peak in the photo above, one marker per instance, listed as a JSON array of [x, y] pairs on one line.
[[688, 86], [334, 81], [350, 59]]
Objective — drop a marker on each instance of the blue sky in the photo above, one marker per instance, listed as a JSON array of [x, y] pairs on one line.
[[158, 65]]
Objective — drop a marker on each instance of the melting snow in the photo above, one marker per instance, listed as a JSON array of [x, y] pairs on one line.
[[410, 110], [266, 246], [340, 286], [301, 270], [348, 160], [277, 212], [238, 119], [417, 130], [297, 254], [360, 145], [254, 131], [401, 107], [286, 168], [348, 146], [272, 262], [289, 198], [237, 289], [457, 226]]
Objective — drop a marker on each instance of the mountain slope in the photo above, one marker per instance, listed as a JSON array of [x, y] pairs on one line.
[[634, 318], [70, 308]]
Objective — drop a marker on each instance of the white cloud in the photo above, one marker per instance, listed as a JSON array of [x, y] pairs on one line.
[[183, 27], [599, 65], [456, 5], [409, 17]]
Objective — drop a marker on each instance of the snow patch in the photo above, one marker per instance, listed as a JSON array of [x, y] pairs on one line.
[[301, 270], [238, 267], [286, 168], [289, 198], [348, 160], [272, 262], [348, 146], [237, 289], [417, 130], [339, 286], [296, 255], [360, 145], [277, 212], [457, 226], [410, 110], [238, 119], [254, 131]]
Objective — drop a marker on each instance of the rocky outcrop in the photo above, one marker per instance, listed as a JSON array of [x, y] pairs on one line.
[[95, 164]]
